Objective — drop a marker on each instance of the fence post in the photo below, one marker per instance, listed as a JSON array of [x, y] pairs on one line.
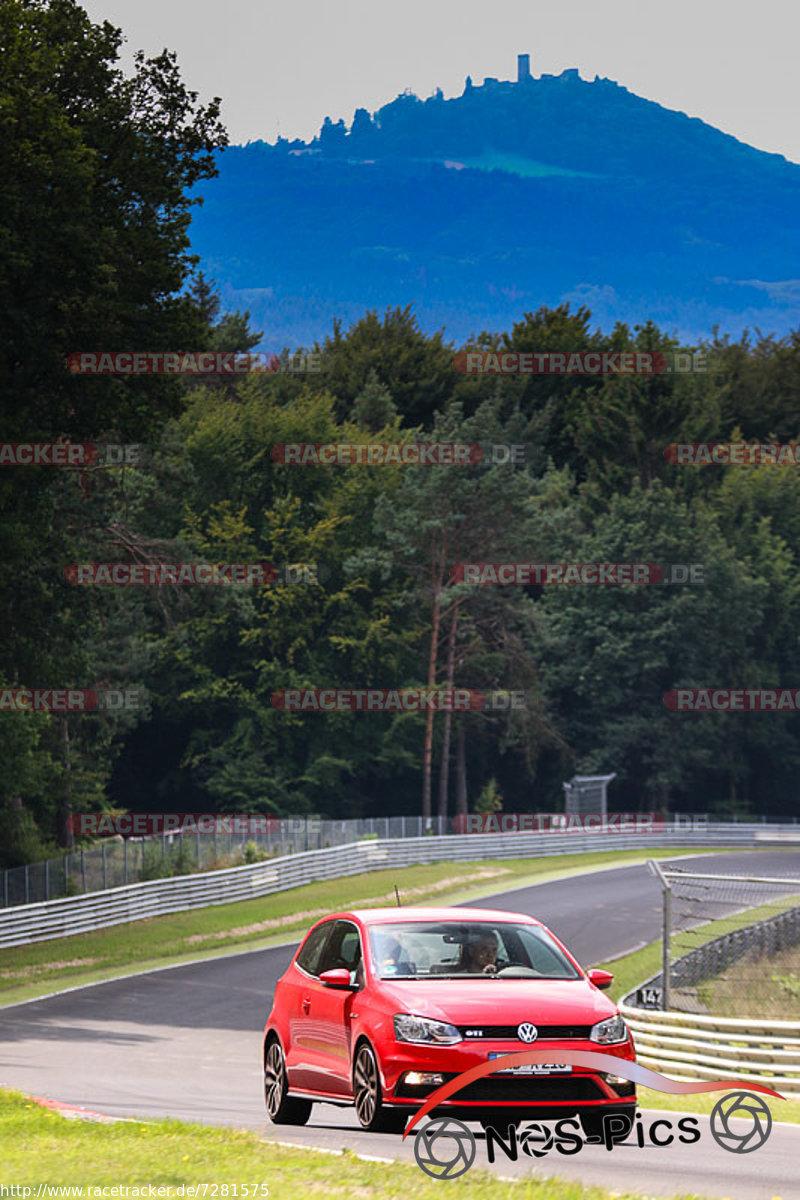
[[5, 889], [47, 879], [197, 846], [125, 859], [83, 867], [105, 868], [27, 885], [666, 931]]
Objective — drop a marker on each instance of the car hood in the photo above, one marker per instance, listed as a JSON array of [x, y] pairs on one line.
[[500, 1002]]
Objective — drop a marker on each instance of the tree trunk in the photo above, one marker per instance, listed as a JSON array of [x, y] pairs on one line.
[[461, 766], [450, 670], [65, 834], [436, 616]]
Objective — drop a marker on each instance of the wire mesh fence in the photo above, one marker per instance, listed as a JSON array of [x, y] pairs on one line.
[[731, 945], [118, 861]]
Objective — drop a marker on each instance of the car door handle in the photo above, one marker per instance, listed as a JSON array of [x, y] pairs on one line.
[[305, 1004]]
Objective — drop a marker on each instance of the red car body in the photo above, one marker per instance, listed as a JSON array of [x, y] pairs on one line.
[[319, 1026]]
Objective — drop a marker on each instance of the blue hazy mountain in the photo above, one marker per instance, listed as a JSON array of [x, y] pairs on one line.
[[509, 196]]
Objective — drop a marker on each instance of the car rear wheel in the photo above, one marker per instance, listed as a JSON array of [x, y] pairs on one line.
[[371, 1112], [282, 1109]]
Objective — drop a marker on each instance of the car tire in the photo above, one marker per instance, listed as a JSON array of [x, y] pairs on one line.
[[372, 1114], [592, 1119], [282, 1109]]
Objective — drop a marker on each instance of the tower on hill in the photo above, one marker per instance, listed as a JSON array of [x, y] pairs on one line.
[[523, 67]]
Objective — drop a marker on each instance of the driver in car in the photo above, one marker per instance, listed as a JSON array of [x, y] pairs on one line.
[[480, 954]]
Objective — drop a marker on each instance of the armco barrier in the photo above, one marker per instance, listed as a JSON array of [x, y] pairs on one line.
[[99, 910], [688, 1046], [696, 1046]]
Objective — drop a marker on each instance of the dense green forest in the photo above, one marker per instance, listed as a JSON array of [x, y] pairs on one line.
[[97, 185]]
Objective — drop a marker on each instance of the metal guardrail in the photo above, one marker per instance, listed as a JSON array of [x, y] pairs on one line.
[[99, 910], [116, 862], [688, 1046], [692, 1045]]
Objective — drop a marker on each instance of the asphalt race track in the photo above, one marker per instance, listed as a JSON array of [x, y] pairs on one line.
[[186, 1042]]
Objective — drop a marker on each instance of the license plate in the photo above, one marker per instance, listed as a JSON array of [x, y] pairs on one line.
[[533, 1068]]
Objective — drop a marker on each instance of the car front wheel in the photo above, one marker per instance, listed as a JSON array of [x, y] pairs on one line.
[[282, 1109], [371, 1112]]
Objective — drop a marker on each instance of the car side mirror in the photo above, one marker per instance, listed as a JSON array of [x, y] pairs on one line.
[[600, 979], [338, 977]]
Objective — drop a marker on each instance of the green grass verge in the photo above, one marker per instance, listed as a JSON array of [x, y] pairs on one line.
[[38, 1146], [773, 979], [782, 1110], [30, 971], [633, 969]]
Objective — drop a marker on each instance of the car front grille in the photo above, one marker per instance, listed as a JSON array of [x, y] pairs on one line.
[[522, 1089], [508, 1033], [532, 1090]]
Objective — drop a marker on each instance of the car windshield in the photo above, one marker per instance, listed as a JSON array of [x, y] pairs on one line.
[[467, 950]]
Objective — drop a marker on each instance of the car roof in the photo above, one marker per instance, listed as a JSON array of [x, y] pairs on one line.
[[385, 916]]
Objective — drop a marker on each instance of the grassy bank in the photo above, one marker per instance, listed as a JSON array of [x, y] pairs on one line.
[[30, 971], [38, 1146]]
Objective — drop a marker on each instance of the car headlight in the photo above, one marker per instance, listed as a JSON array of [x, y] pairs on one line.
[[612, 1030], [408, 1028]]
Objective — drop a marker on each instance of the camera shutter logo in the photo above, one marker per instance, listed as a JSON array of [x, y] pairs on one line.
[[527, 1032], [536, 1139], [737, 1104], [444, 1148]]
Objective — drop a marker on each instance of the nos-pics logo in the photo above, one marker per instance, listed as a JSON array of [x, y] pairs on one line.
[[445, 1148]]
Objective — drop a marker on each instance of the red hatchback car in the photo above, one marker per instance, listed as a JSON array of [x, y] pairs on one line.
[[379, 1007]]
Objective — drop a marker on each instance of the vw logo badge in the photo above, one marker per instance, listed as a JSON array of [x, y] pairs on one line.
[[527, 1032]]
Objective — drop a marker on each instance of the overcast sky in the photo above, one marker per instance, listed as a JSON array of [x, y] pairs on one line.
[[283, 67]]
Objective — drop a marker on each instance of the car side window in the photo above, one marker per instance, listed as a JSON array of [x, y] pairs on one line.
[[343, 948], [311, 954]]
